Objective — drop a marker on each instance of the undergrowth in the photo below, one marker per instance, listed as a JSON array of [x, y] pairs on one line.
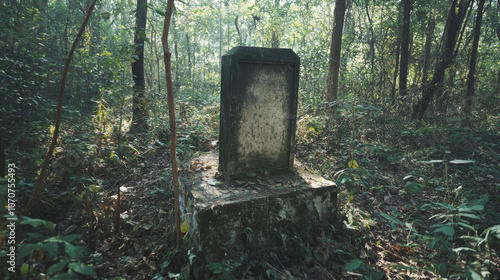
[[418, 199]]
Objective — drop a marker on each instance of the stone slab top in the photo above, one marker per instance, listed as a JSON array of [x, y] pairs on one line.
[[256, 54], [209, 189]]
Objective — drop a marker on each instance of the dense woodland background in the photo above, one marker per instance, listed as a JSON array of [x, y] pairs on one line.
[[409, 131]]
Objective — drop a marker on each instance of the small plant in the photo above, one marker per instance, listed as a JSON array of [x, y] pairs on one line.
[[222, 270], [64, 259], [454, 239]]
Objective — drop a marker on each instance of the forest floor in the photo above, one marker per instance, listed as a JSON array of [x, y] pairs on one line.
[[403, 215], [416, 201]]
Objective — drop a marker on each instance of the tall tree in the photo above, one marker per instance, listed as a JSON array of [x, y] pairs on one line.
[[2, 158], [405, 42], [456, 15], [139, 106], [498, 36], [427, 47], [335, 48], [471, 78], [171, 112]]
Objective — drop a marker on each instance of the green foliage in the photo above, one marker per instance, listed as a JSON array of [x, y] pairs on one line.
[[56, 256], [455, 224]]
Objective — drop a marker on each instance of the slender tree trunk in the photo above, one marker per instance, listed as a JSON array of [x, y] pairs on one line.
[[396, 71], [372, 38], [220, 32], [139, 106], [171, 111], [405, 42], [275, 37], [176, 54], [456, 16], [190, 65], [335, 50], [240, 39], [157, 56], [3, 163], [52, 146], [427, 48], [471, 78], [498, 36]]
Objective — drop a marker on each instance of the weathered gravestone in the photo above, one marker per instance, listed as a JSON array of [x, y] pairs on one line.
[[259, 92], [265, 203]]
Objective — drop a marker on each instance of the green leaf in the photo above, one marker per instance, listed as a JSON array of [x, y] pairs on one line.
[[475, 205], [342, 180], [413, 186], [61, 276], [462, 224], [161, 13], [49, 225], [460, 249], [445, 229], [468, 215], [51, 249], [272, 274], [353, 164], [37, 223], [443, 269], [433, 161], [57, 267], [462, 161], [74, 251], [81, 268], [391, 218], [471, 274], [66, 238], [495, 230], [353, 265], [27, 249], [376, 275], [25, 269]]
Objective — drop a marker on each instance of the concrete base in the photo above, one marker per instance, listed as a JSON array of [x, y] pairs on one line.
[[257, 213]]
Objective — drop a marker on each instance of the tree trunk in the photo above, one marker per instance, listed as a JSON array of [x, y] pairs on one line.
[[372, 38], [171, 111], [335, 49], [3, 164], [471, 78], [240, 39], [498, 36], [394, 79], [456, 16], [190, 77], [427, 48], [275, 37], [405, 42], [139, 106]]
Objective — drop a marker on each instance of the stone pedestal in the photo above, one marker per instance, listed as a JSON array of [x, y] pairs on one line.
[[252, 214]]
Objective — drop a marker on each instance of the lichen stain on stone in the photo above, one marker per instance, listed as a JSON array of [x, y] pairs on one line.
[[287, 211], [264, 122]]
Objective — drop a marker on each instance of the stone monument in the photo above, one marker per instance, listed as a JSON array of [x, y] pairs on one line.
[[250, 196], [259, 92]]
